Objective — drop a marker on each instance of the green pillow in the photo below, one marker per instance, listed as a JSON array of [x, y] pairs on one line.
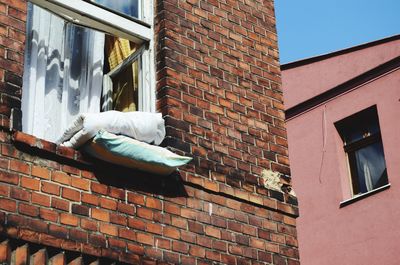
[[128, 152]]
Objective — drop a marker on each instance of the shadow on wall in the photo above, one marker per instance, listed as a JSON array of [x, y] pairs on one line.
[[112, 175], [127, 178]]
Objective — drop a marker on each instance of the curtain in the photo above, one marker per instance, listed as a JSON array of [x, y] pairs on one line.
[[367, 176], [371, 167], [63, 73]]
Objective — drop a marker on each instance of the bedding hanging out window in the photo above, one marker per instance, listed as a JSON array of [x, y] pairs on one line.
[[77, 63]]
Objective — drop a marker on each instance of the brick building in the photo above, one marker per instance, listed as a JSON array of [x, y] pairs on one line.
[[212, 69]]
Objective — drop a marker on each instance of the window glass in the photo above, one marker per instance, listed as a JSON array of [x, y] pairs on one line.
[[359, 126], [127, 7], [371, 167], [125, 79], [125, 89]]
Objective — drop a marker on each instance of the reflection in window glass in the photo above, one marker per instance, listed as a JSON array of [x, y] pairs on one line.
[[359, 126], [371, 167], [127, 7]]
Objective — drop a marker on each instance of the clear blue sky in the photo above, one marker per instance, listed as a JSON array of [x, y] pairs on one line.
[[307, 28]]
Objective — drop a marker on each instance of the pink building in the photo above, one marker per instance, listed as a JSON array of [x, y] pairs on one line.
[[343, 127]]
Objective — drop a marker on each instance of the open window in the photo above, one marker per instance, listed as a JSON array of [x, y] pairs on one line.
[[85, 56], [361, 136]]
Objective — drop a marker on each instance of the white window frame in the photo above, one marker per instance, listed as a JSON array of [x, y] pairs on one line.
[[139, 31]]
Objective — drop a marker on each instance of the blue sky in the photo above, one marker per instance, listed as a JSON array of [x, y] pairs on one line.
[[307, 28]]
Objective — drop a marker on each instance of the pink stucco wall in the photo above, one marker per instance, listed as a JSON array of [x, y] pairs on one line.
[[365, 232], [310, 80]]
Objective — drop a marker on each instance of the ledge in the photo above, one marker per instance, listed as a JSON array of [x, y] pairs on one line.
[[261, 197], [364, 195], [49, 147], [45, 239]]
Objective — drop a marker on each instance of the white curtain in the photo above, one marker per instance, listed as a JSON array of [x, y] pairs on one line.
[[368, 177], [63, 73], [371, 167]]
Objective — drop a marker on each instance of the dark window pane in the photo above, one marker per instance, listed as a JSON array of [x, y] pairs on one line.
[[362, 131], [127, 7], [371, 167], [359, 126]]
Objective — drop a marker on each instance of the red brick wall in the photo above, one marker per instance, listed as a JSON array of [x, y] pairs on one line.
[[12, 38], [218, 86], [218, 71]]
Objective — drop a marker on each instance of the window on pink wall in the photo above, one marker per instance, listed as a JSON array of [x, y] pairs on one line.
[[362, 144]]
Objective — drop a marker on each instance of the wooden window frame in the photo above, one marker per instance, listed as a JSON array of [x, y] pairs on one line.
[[351, 148]]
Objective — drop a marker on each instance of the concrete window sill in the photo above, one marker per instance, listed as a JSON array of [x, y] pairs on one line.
[[364, 195]]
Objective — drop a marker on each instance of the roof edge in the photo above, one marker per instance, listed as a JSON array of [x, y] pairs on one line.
[[336, 53], [342, 88]]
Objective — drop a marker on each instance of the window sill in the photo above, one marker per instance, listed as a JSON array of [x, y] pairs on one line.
[[63, 152], [364, 195]]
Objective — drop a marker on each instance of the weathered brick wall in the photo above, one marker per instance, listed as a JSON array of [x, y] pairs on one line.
[[218, 87], [218, 72], [12, 38]]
